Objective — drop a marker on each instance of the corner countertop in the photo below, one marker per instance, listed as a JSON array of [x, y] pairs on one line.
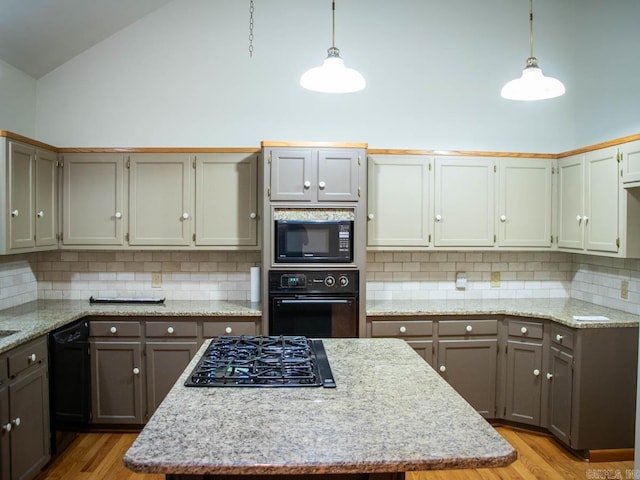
[[390, 412], [35, 319], [559, 310]]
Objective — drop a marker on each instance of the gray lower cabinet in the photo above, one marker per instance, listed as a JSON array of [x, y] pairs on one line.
[[417, 333], [560, 392], [24, 411]]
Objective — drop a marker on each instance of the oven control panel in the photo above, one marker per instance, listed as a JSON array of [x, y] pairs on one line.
[[338, 281]]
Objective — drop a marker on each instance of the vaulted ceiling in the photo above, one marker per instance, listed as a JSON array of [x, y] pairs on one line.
[[37, 36]]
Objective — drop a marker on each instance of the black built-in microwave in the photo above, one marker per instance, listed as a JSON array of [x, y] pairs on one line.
[[313, 241]]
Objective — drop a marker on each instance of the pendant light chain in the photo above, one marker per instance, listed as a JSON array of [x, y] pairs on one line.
[[530, 28], [333, 23], [251, 10]]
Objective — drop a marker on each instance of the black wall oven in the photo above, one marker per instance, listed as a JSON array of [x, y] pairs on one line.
[[314, 303]]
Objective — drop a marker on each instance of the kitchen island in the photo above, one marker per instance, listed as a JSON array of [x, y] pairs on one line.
[[389, 413]]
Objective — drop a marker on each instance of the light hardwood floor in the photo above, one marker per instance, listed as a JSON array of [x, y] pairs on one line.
[[98, 456]]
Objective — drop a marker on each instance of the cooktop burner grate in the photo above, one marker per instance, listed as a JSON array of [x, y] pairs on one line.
[[262, 361]]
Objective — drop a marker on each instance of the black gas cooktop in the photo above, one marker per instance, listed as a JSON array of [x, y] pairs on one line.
[[262, 361]]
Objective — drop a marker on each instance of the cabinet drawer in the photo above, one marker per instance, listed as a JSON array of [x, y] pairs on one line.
[[467, 327], [172, 329], [522, 329], [561, 336], [115, 329], [25, 356], [395, 328], [214, 329]]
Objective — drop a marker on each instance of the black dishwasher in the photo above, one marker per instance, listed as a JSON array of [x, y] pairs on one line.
[[69, 383]]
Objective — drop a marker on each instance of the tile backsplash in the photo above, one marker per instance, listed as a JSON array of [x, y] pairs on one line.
[[191, 275]]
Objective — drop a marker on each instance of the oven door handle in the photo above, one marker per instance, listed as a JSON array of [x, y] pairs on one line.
[[307, 301]]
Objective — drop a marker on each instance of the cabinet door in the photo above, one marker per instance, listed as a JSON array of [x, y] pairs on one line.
[[601, 200], [571, 201], [293, 174], [560, 389], [464, 202], [5, 436], [93, 206], [338, 175], [30, 442], [226, 199], [116, 382], [524, 203], [399, 192], [523, 382], [631, 161], [424, 348], [160, 200], [46, 198], [21, 196], [165, 363], [469, 366]]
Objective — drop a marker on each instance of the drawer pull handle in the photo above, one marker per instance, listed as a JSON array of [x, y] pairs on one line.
[[32, 358], [442, 368], [7, 427], [536, 372], [403, 329], [559, 337], [113, 330], [524, 330], [469, 328], [228, 330], [136, 371], [253, 215], [170, 330], [549, 376], [16, 422]]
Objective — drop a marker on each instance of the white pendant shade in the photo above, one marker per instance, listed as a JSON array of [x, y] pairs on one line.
[[333, 76], [532, 85]]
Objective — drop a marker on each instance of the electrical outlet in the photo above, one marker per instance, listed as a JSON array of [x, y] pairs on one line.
[[461, 280], [624, 289], [495, 279], [156, 280]]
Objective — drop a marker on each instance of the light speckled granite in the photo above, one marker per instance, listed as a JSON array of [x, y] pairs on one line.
[[390, 412], [560, 310], [34, 319]]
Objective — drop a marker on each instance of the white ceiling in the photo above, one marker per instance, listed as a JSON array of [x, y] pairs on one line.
[[37, 36]]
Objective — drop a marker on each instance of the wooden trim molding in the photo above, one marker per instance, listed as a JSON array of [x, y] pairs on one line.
[[598, 146], [270, 143], [459, 153], [159, 150], [30, 141]]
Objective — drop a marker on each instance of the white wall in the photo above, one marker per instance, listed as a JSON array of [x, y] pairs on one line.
[[182, 76], [17, 101]]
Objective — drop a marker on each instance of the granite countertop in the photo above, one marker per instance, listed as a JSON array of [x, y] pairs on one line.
[[560, 310], [35, 319], [390, 412]]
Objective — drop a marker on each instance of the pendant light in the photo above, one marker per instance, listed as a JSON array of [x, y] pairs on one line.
[[532, 85], [333, 76]]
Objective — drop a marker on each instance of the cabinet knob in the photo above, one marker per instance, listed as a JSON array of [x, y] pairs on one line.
[[579, 218], [16, 422], [118, 215], [442, 368], [536, 372], [113, 330], [549, 376], [136, 371], [524, 330], [370, 216], [185, 216], [403, 329], [170, 330], [228, 330], [7, 427], [40, 214], [15, 213], [252, 215], [585, 219], [503, 218], [438, 218], [468, 328], [321, 185], [559, 337], [32, 358], [307, 184]]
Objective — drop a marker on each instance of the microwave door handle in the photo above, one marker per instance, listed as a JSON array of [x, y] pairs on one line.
[[307, 301]]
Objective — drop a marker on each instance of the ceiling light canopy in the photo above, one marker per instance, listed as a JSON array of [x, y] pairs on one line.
[[532, 84], [333, 76]]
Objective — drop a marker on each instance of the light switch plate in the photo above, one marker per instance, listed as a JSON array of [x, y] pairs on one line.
[[461, 280], [624, 289], [156, 280], [495, 279]]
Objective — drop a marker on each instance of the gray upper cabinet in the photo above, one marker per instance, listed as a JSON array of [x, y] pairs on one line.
[[160, 199], [29, 209], [226, 199], [93, 199], [315, 175]]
